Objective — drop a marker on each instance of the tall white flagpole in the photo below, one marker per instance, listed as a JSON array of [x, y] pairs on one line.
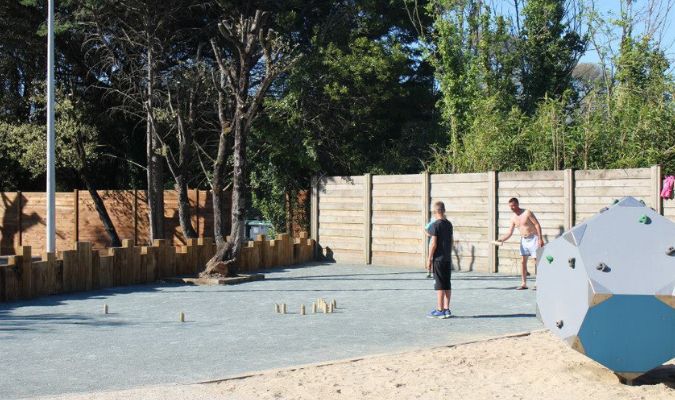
[[51, 179]]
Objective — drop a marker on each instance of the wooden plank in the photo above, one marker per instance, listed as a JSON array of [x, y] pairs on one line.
[[607, 200], [335, 225], [324, 219], [618, 192], [447, 194], [341, 245], [397, 248], [508, 184], [409, 207], [531, 176], [633, 173], [398, 186], [458, 186], [342, 179], [411, 192], [537, 208], [398, 259], [530, 192], [367, 216], [25, 271], [314, 213], [84, 266], [655, 187], [341, 206], [409, 220], [396, 179], [632, 183], [424, 215], [337, 200], [445, 178], [341, 213], [11, 278], [338, 239], [408, 233], [70, 270], [492, 216]]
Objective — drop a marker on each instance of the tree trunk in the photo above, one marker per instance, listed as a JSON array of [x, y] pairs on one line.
[[239, 188], [184, 214], [98, 202], [154, 170], [101, 210], [223, 262]]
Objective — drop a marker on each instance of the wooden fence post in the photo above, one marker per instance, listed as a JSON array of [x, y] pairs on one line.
[[657, 178], [135, 211], [76, 209], [568, 196], [314, 217], [19, 208], [426, 199], [367, 215], [197, 211], [492, 220]]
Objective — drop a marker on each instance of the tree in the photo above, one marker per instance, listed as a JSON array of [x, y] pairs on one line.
[[550, 45], [250, 56], [76, 150], [131, 44]]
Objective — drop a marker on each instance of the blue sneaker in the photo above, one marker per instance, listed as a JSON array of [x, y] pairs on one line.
[[436, 314], [447, 313]]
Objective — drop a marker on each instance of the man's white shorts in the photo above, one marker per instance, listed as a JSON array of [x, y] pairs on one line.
[[529, 246]]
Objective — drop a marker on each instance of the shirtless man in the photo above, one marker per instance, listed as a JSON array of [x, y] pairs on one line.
[[530, 236]]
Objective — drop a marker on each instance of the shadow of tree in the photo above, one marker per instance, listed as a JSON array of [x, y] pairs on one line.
[[10, 221]]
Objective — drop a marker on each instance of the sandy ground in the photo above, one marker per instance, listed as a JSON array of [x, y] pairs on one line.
[[528, 366]]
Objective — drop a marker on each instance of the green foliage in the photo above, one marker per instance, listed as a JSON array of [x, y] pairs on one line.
[[30, 140], [546, 120]]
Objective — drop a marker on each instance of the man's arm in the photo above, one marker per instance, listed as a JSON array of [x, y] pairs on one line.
[[535, 222], [432, 250], [509, 233]]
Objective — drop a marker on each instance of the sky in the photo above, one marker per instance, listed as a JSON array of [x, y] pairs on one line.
[[610, 9]]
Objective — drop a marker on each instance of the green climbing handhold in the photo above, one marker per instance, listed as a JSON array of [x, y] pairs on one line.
[[549, 259], [644, 219], [615, 201]]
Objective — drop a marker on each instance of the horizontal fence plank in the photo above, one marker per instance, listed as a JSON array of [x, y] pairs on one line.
[[634, 173], [610, 191], [530, 176], [411, 207], [340, 193], [342, 179], [445, 178], [397, 179], [397, 186], [506, 184], [342, 206], [341, 213]]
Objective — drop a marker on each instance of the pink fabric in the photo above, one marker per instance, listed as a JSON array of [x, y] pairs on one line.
[[668, 184]]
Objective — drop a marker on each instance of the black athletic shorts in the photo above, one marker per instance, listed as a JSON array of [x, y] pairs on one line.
[[442, 275]]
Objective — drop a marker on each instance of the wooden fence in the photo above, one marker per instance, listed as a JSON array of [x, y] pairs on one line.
[[84, 268], [23, 223], [22, 219], [379, 219]]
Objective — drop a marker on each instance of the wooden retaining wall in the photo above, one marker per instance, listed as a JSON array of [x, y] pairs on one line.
[[83, 268], [379, 219]]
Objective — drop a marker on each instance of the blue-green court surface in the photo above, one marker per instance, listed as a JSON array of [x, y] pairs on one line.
[[65, 343]]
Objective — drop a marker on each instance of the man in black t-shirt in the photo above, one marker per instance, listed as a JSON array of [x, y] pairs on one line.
[[440, 260]]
